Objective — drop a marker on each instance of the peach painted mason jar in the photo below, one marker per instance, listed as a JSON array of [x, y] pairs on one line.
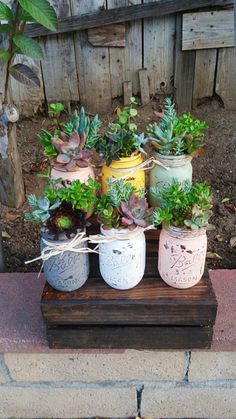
[[182, 256], [123, 167], [82, 173]]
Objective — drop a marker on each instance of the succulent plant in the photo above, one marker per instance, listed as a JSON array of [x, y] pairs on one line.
[[109, 217], [41, 209], [177, 135], [135, 212], [162, 136], [71, 152], [183, 205]]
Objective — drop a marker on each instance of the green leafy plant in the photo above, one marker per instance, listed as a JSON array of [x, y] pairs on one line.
[[121, 208], [183, 205], [63, 209], [70, 144], [23, 11], [56, 109], [177, 136], [121, 138]]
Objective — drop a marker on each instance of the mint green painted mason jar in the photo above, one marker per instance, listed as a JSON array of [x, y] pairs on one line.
[[171, 168]]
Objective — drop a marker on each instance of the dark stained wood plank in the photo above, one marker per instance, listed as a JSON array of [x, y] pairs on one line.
[[129, 337], [184, 71], [107, 36], [124, 14]]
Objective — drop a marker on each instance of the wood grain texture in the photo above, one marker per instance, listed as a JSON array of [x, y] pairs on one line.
[[152, 302], [107, 36], [158, 49], [88, 19], [144, 86], [204, 75], [93, 64], [125, 63], [12, 191], [129, 337], [208, 30], [184, 71], [226, 77], [59, 66], [127, 91]]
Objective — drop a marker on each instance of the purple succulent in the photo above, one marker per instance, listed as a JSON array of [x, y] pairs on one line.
[[135, 212], [71, 153]]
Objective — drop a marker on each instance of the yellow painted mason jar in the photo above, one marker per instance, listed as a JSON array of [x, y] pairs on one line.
[[124, 167]]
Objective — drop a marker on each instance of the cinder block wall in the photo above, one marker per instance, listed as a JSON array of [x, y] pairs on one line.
[[118, 384]]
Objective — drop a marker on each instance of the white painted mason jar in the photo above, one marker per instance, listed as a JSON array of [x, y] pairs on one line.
[[82, 173], [67, 271], [182, 256], [122, 261], [177, 168]]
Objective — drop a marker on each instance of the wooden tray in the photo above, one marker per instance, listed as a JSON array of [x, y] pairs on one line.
[[150, 316]]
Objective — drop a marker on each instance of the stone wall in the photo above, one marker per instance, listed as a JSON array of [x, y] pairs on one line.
[[118, 384]]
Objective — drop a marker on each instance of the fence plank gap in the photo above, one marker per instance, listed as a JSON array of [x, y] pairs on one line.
[[123, 14], [125, 62], [184, 71], [127, 91], [93, 65], [208, 30], [144, 86], [107, 36]]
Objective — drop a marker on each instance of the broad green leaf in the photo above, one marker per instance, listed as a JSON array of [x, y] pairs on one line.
[[4, 55], [5, 28], [28, 46], [25, 75], [41, 11], [5, 12], [25, 16]]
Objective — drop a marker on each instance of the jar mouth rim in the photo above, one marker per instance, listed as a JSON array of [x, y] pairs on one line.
[[173, 157], [182, 231], [115, 232], [127, 159], [78, 169]]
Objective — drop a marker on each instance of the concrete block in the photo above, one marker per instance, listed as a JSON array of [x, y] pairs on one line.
[[206, 366], [130, 365], [22, 402], [188, 402]]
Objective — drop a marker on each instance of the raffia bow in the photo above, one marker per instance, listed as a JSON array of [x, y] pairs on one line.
[[146, 165]]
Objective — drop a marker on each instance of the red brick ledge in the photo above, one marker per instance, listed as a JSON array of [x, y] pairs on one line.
[[22, 328]]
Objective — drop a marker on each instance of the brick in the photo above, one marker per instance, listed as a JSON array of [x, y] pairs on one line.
[[212, 366], [71, 403], [130, 365], [183, 402]]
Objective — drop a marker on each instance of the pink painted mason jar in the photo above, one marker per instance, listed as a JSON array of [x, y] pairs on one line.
[[182, 256], [82, 173]]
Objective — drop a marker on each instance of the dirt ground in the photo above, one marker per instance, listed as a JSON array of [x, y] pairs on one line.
[[217, 165]]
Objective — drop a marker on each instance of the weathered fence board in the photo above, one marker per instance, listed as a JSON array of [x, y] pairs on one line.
[[122, 14], [226, 77], [208, 30], [59, 66], [184, 71], [93, 64], [158, 38], [107, 36], [124, 63], [204, 76]]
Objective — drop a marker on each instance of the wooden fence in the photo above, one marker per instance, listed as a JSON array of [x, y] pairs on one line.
[[181, 50]]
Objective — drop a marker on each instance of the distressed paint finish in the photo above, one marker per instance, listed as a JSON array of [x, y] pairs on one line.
[[158, 49], [182, 256], [58, 66], [92, 64], [125, 63]]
